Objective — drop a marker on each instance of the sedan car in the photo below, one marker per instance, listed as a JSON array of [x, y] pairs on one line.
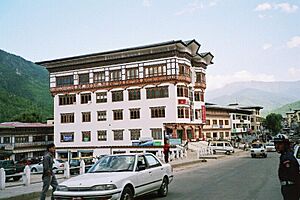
[[270, 146], [119, 177], [258, 149]]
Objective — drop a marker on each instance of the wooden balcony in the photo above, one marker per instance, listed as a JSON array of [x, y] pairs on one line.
[[201, 85], [123, 83]]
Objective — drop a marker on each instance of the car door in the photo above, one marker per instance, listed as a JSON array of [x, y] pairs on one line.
[[156, 170], [144, 178]]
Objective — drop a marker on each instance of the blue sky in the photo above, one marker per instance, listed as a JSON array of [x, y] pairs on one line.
[[251, 40]]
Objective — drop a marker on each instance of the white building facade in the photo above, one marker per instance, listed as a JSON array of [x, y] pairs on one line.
[[111, 100]]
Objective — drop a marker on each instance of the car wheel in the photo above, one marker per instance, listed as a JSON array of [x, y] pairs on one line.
[[163, 190], [252, 156], [127, 194], [33, 170], [214, 152]]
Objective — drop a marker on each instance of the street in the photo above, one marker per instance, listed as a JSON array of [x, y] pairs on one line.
[[235, 178]]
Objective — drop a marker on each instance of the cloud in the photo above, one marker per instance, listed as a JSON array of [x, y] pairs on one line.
[[218, 81], [293, 42], [284, 7], [294, 73], [146, 3], [266, 46], [263, 7], [195, 6]]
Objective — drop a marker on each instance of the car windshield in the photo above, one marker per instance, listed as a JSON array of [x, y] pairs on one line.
[[256, 145], [115, 163], [270, 144]]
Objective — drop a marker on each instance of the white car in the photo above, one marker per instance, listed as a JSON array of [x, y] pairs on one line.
[[270, 146], [58, 166], [258, 149], [119, 177], [221, 146], [36, 168]]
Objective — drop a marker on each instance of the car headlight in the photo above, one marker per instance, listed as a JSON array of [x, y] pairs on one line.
[[104, 187], [62, 188]]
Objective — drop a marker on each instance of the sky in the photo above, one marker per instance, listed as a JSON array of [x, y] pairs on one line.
[[250, 39]]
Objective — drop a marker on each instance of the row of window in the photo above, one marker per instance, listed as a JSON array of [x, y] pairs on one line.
[[118, 135], [25, 139], [217, 135], [134, 113], [215, 122], [156, 112], [131, 73], [133, 94]]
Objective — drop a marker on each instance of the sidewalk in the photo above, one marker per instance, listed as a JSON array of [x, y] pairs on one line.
[[32, 192]]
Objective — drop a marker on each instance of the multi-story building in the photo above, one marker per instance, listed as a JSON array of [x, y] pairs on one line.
[[218, 123], [24, 140], [255, 118], [112, 99]]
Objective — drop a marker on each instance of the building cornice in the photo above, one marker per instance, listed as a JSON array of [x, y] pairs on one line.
[[173, 48]]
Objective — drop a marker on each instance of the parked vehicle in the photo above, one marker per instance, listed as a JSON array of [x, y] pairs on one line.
[[20, 165], [36, 168], [258, 150], [59, 166], [121, 176], [270, 146], [221, 146], [10, 169]]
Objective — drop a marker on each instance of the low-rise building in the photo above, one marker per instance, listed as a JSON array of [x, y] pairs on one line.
[[24, 140], [218, 123]]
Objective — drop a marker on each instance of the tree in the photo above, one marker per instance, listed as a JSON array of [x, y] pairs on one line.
[[273, 122], [28, 116]]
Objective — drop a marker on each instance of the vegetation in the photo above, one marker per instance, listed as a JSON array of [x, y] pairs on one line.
[[273, 123], [286, 108], [24, 90]]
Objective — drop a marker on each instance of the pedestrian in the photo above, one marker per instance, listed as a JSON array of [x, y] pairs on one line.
[[288, 171], [48, 174], [166, 150]]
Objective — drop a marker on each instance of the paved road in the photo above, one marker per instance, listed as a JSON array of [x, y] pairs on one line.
[[235, 178]]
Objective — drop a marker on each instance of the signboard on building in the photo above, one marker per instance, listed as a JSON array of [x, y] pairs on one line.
[[203, 113]]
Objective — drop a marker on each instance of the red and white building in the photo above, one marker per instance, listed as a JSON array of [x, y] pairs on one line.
[[112, 99]]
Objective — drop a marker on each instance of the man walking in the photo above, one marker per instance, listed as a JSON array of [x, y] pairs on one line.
[[288, 171], [48, 175]]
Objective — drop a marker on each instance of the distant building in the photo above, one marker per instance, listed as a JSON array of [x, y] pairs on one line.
[[218, 122], [24, 140], [112, 99], [255, 118]]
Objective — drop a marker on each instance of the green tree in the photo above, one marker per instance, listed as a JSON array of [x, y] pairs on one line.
[[273, 123], [28, 117]]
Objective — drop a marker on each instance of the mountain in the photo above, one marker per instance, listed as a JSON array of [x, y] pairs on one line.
[[270, 95], [24, 88], [288, 107]]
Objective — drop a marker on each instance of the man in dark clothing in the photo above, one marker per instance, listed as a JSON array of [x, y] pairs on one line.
[[48, 175], [288, 171]]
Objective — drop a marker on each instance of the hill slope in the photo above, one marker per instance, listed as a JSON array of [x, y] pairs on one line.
[[270, 95], [291, 106], [24, 87]]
